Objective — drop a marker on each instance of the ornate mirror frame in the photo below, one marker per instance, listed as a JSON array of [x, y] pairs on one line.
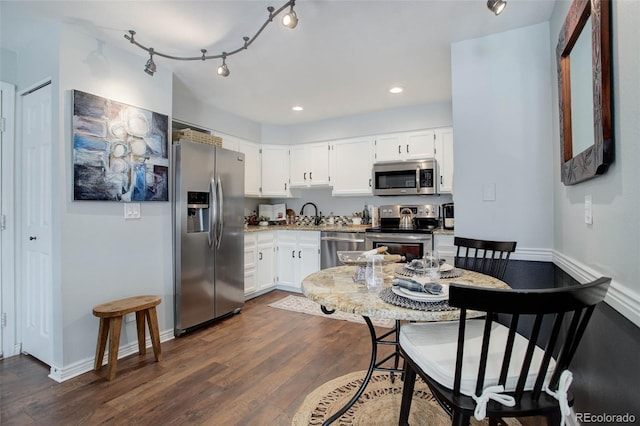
[[596, 158]]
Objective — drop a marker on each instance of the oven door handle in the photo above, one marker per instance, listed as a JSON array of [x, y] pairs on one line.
[[399, 237], [346, 240]]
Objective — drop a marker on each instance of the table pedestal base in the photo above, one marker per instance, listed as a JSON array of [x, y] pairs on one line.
[[373, 363]]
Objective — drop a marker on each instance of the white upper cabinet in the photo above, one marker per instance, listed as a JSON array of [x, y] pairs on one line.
[[404, 146], [275, 171], [309, 164], [351, 163], [444, 156], [252, 163]]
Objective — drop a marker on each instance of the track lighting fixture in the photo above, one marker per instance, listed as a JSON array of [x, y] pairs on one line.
[[223, 70], [150, 67], [496, 6], [289, 20]]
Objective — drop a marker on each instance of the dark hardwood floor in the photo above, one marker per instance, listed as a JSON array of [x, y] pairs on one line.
[[254, 368]]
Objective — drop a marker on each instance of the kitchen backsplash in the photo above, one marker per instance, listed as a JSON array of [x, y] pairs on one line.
[[324, 220]]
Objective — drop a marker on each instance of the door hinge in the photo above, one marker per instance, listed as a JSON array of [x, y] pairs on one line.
[[3, 222], [2, 124], [3, 320]]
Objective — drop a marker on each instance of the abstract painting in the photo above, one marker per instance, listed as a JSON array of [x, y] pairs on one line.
[[120, 152]]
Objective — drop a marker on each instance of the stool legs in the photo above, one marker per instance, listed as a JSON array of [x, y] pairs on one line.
[[103, 333], [142, 347], [152, 320], [114, 343], [110, 327]]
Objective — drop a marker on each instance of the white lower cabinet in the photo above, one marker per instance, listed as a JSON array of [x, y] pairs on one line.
[[298, 255], [445, 247], [259, 262]]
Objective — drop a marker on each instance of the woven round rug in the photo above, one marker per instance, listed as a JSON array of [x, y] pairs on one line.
[[378, 405]]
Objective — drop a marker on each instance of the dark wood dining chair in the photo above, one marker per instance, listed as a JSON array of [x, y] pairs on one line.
[[487, 257], [488, 369]]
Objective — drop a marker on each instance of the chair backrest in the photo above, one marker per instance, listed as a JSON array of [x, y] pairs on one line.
[[569, 310], [487, 257]]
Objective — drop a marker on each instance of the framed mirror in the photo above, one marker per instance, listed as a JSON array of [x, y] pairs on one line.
[[584, 79]]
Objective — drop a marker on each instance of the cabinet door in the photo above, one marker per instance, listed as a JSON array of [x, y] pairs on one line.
[[351, 162], [298, 168], [318, 160], [252, 169], [444, 156], [308, 253], [389, 147], [445, 247], [275, 175], [250, 264], [287, 258], [266, 266], [419, 144]]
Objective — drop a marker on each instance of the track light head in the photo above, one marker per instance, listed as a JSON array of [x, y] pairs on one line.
[[290, 20], [496, 6], [150, 67], [223, 70]]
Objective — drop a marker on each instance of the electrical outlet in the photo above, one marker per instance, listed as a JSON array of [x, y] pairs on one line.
[[588, 210], [132, 210]]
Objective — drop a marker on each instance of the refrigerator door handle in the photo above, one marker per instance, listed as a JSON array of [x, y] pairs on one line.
[[220, 221], [212, 213]]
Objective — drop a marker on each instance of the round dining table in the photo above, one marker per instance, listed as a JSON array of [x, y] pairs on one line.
[[335, 289]]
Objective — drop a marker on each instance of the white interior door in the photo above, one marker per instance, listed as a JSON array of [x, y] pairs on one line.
[[37, 302], [7, 220]]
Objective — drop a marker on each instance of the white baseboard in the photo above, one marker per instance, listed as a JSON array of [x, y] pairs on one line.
[[83, 366], [620, 297]]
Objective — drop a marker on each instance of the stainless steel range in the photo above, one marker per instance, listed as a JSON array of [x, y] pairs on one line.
[[405, 229]]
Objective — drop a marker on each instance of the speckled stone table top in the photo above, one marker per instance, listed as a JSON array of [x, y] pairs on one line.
[[335, 289]]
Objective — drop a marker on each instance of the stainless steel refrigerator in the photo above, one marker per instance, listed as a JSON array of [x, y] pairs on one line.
[[208, 239]]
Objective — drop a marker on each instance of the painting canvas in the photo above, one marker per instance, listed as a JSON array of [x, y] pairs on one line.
[[120, 152]]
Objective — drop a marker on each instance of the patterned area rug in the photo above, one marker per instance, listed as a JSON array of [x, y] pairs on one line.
[[307, 306], [379, 405]]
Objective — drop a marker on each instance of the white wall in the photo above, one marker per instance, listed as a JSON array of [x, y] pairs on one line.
[[501, 91], [388, 121], [611, 246], [188, 109], [102, 255], [8, 66]]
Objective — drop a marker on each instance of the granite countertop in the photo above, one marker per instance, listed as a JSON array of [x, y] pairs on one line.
[[335, 289], [334, 228], [330, 228]]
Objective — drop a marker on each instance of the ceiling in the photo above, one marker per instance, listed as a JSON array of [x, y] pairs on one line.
[[340, 60]]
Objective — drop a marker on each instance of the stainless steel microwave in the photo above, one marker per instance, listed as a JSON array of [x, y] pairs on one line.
[[406, 177]]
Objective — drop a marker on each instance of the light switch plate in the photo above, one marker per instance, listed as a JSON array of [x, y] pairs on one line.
[[588, 210], [132, 211], [489, 192]]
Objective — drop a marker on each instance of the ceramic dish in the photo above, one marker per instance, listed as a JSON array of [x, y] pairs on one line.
[[422, 297]]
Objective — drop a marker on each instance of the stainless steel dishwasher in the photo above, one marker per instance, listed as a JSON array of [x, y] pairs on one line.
[[333, 241]]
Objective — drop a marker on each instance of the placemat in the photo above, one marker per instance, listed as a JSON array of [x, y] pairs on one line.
[[390, 297]]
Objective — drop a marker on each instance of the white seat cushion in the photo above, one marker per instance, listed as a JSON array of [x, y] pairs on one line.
[[433, 347]]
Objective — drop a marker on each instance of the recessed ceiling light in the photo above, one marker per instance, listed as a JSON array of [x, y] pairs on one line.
[[297, 108], [396, 89]]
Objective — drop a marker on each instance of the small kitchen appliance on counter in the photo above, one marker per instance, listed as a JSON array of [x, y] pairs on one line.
[[447, 216]]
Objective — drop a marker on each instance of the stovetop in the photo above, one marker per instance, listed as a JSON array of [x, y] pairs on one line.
[[399, 231]]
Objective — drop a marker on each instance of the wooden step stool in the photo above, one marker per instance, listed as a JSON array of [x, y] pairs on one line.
[[111, 314]]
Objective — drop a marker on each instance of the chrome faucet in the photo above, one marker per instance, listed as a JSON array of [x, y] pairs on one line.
[[317, 218]]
